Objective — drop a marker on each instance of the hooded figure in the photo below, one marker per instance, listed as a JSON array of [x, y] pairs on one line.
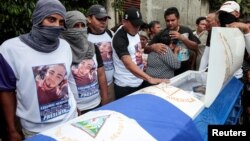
[[77, 37], [44, 38]]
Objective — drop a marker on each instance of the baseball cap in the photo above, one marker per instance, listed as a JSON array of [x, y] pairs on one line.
[[98, 11], [144, 34], [134, 16], [230, 6]]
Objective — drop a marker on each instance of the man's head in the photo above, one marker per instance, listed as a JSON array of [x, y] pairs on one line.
[[98, 11], [132, 20], [172, 17], [144, 38], [134, 16], [212, 20], [230, 7], [75, 19], [46, 8], [201, 24], [154, 27], [97, 18], [229, 12]]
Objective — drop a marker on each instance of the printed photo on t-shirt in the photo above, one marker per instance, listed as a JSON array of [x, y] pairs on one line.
[[106, 53], [105, 50], [52, 90], [138, 55], [85, 75]]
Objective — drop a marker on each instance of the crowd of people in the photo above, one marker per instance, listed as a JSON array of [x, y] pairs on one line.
[[76, 64]]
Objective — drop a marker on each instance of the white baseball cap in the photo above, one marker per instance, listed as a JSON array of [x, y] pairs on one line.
[[230, 6]]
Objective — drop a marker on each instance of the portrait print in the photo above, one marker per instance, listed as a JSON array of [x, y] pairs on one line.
[[105, 50], [138, 54], [85, 73], [51, 83]]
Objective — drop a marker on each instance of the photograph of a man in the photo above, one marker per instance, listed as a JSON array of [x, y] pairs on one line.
[[51, 83], [138, 54], [105, 50], [85, 72]]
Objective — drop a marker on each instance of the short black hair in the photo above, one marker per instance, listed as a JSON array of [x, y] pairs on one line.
[[153, 23], [198, 20], [144, 26], [172, 10]]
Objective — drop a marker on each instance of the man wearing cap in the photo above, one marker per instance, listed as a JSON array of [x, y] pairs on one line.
[[129, 73], [229, 14], [99, 35]]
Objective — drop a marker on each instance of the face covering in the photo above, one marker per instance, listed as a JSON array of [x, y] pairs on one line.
[[44, 38], [77, 37], [80, 46], [226, 18]]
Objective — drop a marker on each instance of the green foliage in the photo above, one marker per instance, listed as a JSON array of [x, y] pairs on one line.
[[244, 5], [118, 5], [15, 15]]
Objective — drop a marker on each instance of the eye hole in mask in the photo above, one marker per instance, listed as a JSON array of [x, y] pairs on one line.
[[226, 18]]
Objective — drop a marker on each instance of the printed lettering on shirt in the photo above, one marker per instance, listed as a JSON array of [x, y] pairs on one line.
[[88, 90], [53, 110]]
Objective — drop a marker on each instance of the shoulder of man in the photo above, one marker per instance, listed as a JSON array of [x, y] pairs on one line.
[[185, 29], [110, 33]]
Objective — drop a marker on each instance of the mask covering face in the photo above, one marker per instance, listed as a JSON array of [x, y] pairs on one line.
[[226, 18]]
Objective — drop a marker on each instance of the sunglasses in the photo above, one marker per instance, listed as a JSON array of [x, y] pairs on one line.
[[102, 19]]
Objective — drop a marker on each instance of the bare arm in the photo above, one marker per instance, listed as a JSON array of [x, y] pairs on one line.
[[8, 105], [242, 26], [245, 29], [190, 44], [133, 68], [103, 85], [156, 47]]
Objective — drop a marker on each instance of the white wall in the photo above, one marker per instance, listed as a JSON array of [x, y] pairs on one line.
[[189, 10], [154, 10]]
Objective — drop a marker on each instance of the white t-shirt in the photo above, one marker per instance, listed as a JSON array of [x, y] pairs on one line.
[[31, 73], [126, 44], [84, 84], [103, 42]]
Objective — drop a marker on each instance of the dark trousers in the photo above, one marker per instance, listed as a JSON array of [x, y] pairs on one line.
[[85, 111], [185, 65], [124, 91]]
